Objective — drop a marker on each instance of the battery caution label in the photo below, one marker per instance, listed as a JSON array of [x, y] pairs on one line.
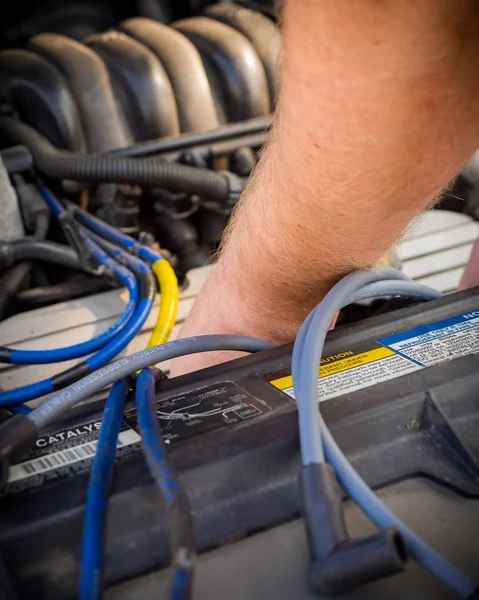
[[394, 356]]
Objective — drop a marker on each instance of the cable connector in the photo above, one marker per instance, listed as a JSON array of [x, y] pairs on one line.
[[17, 159], [236, 186], [31, 202], [73, 234], [17, 436], [339, 564]]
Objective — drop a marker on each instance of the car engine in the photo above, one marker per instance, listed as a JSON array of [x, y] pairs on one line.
[[128, 132], [197, 91]]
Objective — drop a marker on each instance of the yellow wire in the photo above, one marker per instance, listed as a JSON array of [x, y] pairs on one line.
[[84, 199], [385, 261], [166, 318]]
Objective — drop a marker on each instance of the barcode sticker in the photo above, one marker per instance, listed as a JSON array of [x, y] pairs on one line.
[[66, 457]]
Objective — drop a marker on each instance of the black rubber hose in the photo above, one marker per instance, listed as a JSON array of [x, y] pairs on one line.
[[31, 249], [10, 283], [261, 32], [234, 68], [16, 159], [40, 95], [140, 81], [61, 292], [147, 172], [88, 78], [12, 280], [41, 229], [182, 63]]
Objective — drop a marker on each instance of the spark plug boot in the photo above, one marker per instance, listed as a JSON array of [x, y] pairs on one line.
[[338, 563]]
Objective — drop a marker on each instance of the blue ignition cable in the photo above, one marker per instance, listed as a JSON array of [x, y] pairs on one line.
[[38, 357], [20, 409], [183, 546], [129, 261], [56, 207], [30, 357], [145, 280], [110, 350], [164, 274], [97, 498], [115, 236]]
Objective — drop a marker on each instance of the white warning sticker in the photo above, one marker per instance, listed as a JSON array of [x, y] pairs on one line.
[[63, 458], [435, 343], [396, 355], [354, 373]]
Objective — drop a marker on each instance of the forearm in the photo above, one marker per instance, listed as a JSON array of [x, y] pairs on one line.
[[376, 113]]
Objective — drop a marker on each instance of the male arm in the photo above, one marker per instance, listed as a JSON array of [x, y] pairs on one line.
[[377, 112]]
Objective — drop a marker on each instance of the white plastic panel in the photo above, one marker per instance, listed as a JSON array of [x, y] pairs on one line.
[[436, 249]]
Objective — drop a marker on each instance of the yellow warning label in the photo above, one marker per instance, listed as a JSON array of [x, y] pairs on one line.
[[340, 365]]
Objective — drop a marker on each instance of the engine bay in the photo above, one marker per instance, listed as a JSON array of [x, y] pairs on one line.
[[128, 132]]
